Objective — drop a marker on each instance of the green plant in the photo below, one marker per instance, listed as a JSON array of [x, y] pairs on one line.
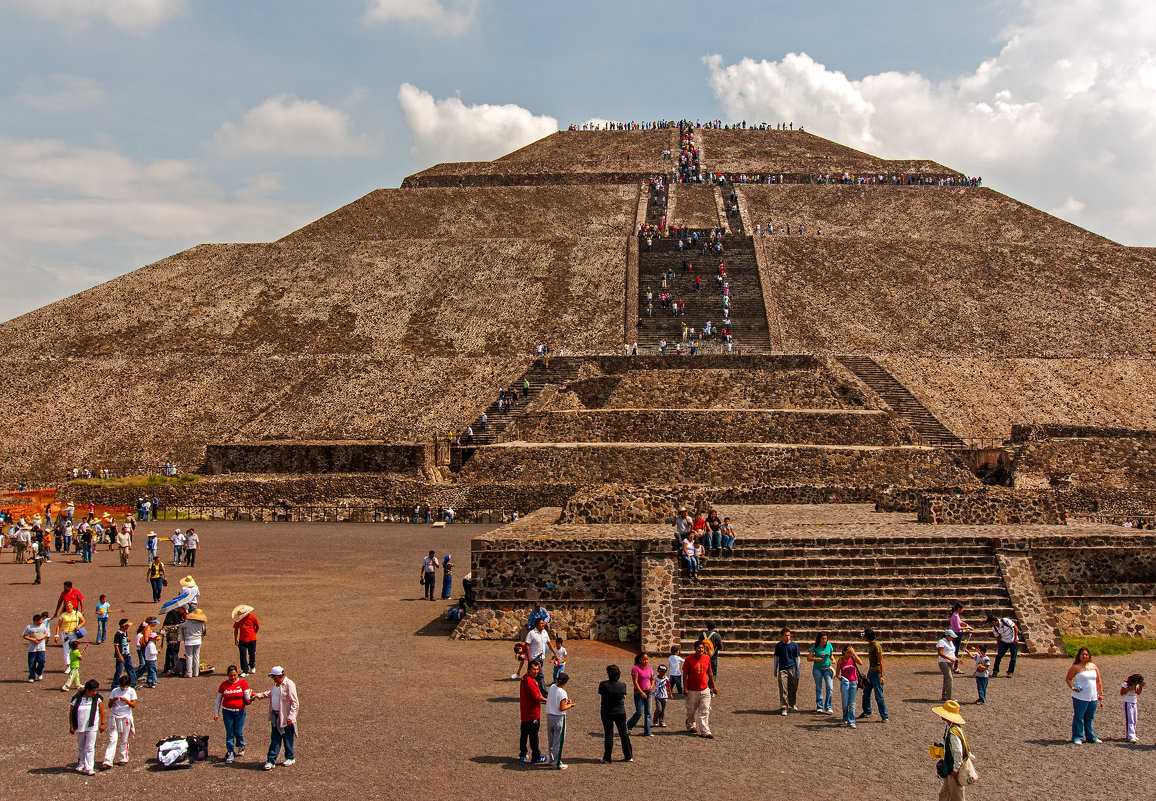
[[136, 481], [1107, 646]]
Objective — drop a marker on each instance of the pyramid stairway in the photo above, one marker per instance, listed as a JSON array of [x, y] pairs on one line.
[[900, 399]]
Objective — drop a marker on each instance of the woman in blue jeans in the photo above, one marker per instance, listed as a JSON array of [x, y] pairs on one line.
[[233, 696], [642, 677], [823, 673], [848, 668], [1083, 680]]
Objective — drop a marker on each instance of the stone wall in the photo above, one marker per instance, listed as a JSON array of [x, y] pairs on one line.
[[1039, 433], [318, 457], [1096, 500], [1038, 624], [1132, 617], [990, 506], [716, 388], [632, 505], [694, 425], [1112, 463]]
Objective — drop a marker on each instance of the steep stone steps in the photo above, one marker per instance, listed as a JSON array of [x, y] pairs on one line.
[[900, 399], [560, 372]]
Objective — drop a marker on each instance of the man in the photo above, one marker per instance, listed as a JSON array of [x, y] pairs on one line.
[[787, 671], [69, 594], [537, 643], [947, 660], [429, 568], [122, 650], [283, 707], [36, 635], [124, 544], [537, 613], [245, 628], [875, 680], [1007, 633], [955, 753], [699, 682], [530, 699], [682, 527], [192, 542], [716, 645], [178, 545]]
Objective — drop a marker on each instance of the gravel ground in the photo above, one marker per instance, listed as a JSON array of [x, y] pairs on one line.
[[392, 708]]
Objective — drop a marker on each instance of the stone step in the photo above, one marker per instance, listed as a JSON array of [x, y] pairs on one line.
[[923, 611], [724, 592], [801, 626], [788, 563], [745, 559]]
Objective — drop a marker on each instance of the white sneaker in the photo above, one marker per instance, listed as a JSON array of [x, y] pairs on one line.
[[269, 766], [514, 676], [784, 712], [288, 762]]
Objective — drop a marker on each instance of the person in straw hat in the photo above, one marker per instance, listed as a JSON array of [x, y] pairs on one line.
[[192, 631], [245, 628], [956, 754]]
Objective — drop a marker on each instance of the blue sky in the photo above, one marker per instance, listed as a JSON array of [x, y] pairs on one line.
[[132, 129]]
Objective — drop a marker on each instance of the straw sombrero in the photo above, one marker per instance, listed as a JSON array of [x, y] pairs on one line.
[[240, 611], [949, 712], [197, 614], [188, 581]]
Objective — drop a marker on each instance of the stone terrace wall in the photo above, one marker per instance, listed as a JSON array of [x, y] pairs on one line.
[[990, 506], [692, 206], [631, 505], [722, 465], [1120, 463], [1039, 433], [318, 457], [1094, 500], [722, 389], [685, 425]]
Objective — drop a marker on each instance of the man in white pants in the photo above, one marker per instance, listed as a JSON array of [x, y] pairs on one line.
[[86, 719], [121, 702]]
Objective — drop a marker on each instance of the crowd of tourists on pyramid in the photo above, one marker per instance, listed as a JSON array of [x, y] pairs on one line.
[[658, 125]]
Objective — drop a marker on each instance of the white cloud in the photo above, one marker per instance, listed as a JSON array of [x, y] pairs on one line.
[[448, 18], [1070, 101], [75, 216], [134, 16], [287, 126], [61, 92], [449, 130]]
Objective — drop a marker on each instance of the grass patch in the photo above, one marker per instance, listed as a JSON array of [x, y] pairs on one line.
[[1107, 646], [136, 481]]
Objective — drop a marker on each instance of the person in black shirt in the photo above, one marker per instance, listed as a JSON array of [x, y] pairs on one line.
[[613, 692]]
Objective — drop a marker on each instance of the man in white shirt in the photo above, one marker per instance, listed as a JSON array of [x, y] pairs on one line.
[[557, 704], [1007, 633], [947, 661], [537, 643], [178, 546], [429, 568]]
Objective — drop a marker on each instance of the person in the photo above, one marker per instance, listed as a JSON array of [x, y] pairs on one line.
[[124, 544], [530, 700], [69, 628], [174, 618], [613, 713], [121, 703], [75, 656], [149, 643], [447, 577], [245, 628], [875, 680], [559, 657], [674, 665], [947, 661], [558, 703], [192, 542], [39, 556], [157, 577], [1083, 680], [193, 631], [36, 634], [690, 555], [122, 650], [233, 695], [982, 673], [537, 643], [958, 626], [661, 696], [848, 668], [178, 540], [728, 535], [1130, 691], [102, 620], [699, 681], [642, 677], [429, 567], [822, 673], [537, 613], [69, 594], [85, 720], [1007, 633], [520, 655], [283, 708], [714, 645], [787, 671], [956, 753], [150, 544]]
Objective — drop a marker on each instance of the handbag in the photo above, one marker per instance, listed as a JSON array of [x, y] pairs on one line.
[[967, 772], [80, 632]]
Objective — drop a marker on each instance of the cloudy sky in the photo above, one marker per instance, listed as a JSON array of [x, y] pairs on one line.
[[132, 129]]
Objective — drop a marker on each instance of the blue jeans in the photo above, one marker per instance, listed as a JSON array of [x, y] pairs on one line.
[[1084, 712], [1003, 648], [151, 670], [874, 685], [177, 551], [848, 691], [691, 563], [981, 687], [35, 665], [728, 540], [558, 670], [234, 729], [276, 737], [126, 668], [101, 629], [824, 687], [713, 539], [157, 585], [643, 705], [447, 585]]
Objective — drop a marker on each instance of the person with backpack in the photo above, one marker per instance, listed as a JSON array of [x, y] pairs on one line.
[[1007, 634], [714, 645], [955, 767], [86, 720]]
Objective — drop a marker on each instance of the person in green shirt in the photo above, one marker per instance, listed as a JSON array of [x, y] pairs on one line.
[[823, 673], [74, 658], [875, 679]]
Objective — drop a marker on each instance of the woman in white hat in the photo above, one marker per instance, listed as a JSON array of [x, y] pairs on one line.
[[955, 767]]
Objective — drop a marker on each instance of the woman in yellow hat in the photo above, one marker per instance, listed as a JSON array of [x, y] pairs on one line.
[[955, 766]]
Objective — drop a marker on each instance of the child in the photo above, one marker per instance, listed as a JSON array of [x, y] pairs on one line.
[[101, 620], [520, 655], [661, 694], [1131, 690], [74, 659], [557, 704], [675, 669], [982, 672], [559, 657], [122, 650], [121, 702]]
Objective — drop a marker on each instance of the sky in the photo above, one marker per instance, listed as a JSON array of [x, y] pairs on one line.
[[133, 129]]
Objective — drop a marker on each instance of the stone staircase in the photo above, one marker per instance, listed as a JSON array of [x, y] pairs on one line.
[[902, 587], [900, 399], [560, 371]]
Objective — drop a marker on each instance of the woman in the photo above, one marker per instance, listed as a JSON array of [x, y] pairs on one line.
[[447, 578], [69, 629], [823, 673], [848, 668], [1083, 680], [956, 624], [613, 711], [156, 576], [233, 696], [642, 677], [714, 532], [690, 555], [85, 720]]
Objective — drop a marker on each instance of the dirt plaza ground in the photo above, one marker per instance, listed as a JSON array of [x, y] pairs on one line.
[[392, 708]]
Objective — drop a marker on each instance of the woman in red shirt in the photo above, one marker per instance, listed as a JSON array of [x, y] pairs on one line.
[[232, 697]]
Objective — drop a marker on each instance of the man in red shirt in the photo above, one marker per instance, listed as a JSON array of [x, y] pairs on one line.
[[245, 637], [69, 594], [698, 680], [531, 705]]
